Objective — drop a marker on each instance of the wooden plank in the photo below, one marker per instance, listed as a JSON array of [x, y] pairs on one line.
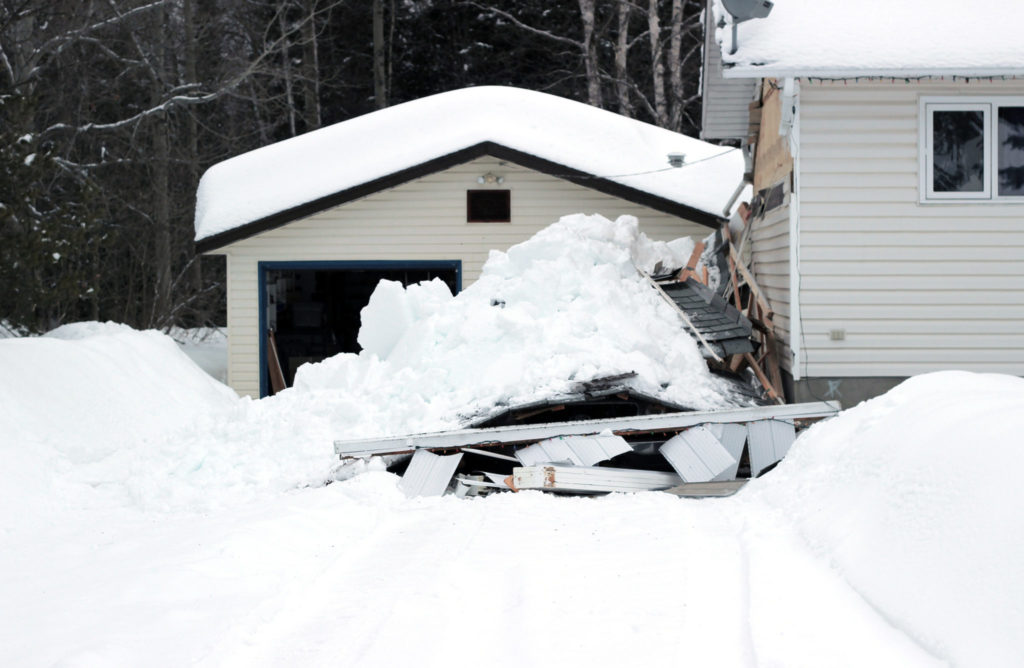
[[277, 383], [691, 265]]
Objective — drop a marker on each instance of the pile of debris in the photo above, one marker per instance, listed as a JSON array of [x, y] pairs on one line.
[[733, 336], [691, 453], [605, 435]]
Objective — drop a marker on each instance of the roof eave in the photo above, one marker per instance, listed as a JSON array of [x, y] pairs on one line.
[[215, 242], [771, 71]]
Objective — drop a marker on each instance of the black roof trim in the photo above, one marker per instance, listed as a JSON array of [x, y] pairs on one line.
[[520, 158]]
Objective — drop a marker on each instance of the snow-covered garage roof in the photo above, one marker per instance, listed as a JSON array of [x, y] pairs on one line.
[[276, 184], [841, 39]]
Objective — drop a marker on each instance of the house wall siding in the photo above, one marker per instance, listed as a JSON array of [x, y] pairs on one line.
[[724, 102], [424, 219], [916, 287]]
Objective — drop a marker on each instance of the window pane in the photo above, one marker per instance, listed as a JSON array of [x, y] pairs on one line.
[[958, 141], [1011, 150]]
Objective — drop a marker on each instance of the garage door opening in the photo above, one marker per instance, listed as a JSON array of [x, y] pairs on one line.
[[310, 310]]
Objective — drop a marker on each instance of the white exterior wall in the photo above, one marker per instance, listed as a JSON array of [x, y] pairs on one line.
[[424, 219], [916, 287], [725, 103], [770, 264]]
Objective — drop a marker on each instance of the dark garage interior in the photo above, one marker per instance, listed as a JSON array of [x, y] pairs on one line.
[[313, 312]]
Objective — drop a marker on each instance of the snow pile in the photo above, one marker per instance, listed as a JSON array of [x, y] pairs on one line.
[[302, 169], [567, 305], [915, 497], [207, 347], [837, 37], [89, 393]]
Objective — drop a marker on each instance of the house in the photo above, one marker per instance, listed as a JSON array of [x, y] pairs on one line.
[[885, 143], [424, 190]]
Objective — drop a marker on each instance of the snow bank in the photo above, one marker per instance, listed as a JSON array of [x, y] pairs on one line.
[[915, 497], [85, 394], [837, 37], [344, 155], [567, 305]]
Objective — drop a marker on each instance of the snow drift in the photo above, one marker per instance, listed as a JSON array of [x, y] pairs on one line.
[[915, 497]]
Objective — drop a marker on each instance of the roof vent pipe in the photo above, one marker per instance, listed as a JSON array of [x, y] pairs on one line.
[[744, 10]]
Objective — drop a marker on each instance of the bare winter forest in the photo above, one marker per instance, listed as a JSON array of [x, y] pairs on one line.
[[110, 111]]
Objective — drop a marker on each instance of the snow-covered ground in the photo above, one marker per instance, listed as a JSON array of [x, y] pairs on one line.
[[150, 517]]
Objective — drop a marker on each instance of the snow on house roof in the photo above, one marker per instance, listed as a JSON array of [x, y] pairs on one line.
[[561, 135], [841, 39]]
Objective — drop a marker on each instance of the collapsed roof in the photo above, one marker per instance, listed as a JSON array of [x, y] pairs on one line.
[[599, 149]]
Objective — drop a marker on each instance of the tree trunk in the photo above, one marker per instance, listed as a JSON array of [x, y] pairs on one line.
[[380, 93], [658, 69], [286, 64], [310, 69], [621, 56], [590, 53], [675, 67]]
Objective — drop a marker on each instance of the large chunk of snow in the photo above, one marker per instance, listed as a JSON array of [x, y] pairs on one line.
[[880, 37], [302, 169], [915, 496]]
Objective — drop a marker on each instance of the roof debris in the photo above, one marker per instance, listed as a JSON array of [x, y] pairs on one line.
[[717, 449]]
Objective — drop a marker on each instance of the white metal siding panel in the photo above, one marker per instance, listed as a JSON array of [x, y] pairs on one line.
[[725, 103], [697, 455], [915, 287], [429, 474], [580, 450], [420, 220], [770, 264], [769, 441]]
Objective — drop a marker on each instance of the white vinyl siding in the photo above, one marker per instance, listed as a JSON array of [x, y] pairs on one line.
[[725, 103], [424, 219], [916, 287], [770, 264]]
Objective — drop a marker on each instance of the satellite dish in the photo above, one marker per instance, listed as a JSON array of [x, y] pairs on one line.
[[744, 10]]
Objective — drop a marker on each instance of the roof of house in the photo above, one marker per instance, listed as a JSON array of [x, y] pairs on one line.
[[277, 184], [910, 38]]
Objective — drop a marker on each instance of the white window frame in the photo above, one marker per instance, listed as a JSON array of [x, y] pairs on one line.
[[990, 106]]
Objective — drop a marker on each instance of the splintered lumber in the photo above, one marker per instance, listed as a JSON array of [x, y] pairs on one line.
[[590, 479], [691, 265], [429, 474], [532, 433]]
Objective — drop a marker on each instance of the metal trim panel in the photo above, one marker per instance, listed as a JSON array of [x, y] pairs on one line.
[[697, 455], [769, 442], [733, 437], [429, 474], [539, 432], [580, 450], [594, 479]]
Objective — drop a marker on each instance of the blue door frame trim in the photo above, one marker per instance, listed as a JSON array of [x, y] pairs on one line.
[[263, 267]]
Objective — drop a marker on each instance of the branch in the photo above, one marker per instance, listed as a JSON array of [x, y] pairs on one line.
[[524, 26]]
